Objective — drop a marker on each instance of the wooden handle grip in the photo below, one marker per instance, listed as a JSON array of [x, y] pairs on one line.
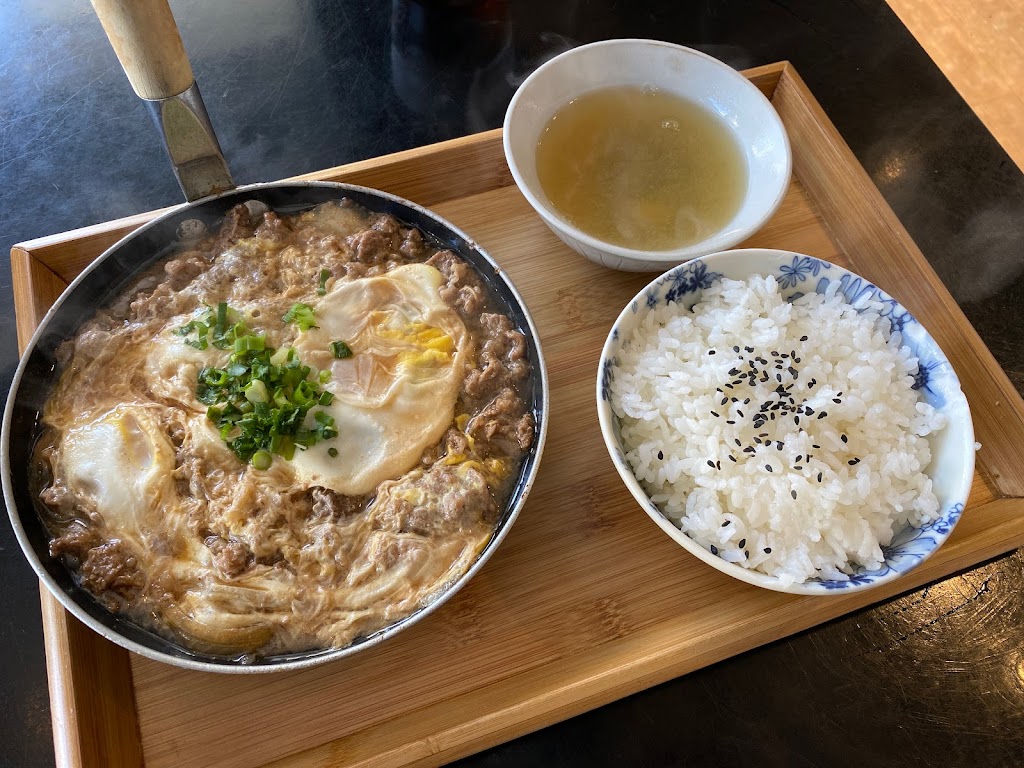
[[146, 40]]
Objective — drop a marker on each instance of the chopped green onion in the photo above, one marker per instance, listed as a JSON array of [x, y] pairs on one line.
[[262, 459], [302, 315], [249, 343], [281, 356], [256, 392], [324, 376], [200, 328], [321, 287], [259, 402], [340, 350]]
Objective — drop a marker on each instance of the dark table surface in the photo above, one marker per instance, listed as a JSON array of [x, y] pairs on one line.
[[935, 677]]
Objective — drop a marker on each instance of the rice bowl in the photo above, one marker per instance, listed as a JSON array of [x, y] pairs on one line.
[[786, 421]]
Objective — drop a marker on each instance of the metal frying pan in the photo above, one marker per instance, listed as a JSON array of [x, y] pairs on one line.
[[146, 40]]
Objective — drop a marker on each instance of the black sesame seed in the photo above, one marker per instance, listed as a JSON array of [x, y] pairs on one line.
[[724, 401], [823, 414], [799, 456], [661, 456], [793, 494], [748, 449], [743, 543], [808, 411], [836, 400], [773, 416], [775, 353], [735, 349], [792, 371], [803, 338], [718, 465], [819, 477], [844, 438], [796, 420], [711, 351], [734, 371], [730, 421], [747, 554], [747, 400], [732, 458], [757, 440], [853, 461], [798, 468], [796, 359], [749, 349], [739, 413], [727, 386], [768, 467], [738, 443], [714, 550], [711, 463], [779, 377], [726, 523], [815, 446], [767, 550], [715, 415], [763, 434], [778, 444]]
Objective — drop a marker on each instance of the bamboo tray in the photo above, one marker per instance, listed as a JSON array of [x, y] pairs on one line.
[[586, 600]]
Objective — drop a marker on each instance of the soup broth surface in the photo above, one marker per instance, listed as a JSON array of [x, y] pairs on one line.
[[637, 167]]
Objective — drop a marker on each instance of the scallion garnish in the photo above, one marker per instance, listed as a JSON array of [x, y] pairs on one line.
[[302, 315], [213, 327], [260, 399], [321, 287], [340, 350]]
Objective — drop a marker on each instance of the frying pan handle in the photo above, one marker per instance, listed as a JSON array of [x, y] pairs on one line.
[[146, 41]]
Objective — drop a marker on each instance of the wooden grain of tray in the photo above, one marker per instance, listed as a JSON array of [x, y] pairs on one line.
[[586, 600]]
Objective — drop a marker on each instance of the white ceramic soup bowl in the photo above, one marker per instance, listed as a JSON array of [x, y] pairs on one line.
[[951, 469], [690, 74]]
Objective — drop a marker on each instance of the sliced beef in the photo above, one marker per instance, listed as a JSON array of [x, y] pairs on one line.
[[501, 361], [111, 567], [499, 426], [328, 504], [231, 557], [448, 499]]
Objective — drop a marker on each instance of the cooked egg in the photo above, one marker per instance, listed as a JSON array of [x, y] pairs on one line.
[[396, 394], [122, 463]]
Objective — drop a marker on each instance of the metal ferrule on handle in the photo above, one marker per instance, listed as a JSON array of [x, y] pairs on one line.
[[191, 143]]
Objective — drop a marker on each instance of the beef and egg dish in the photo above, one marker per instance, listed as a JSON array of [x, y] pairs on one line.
[[287, 435]]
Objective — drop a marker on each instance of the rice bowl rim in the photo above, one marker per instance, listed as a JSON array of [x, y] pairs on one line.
[[742, 264]]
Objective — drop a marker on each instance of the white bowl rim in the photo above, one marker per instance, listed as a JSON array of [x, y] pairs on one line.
[[714, 243], [757, 578]]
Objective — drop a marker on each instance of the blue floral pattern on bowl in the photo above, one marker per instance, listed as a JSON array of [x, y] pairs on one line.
[[935, 380]]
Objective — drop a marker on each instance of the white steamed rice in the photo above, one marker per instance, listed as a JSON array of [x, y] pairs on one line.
[[765, 507]]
